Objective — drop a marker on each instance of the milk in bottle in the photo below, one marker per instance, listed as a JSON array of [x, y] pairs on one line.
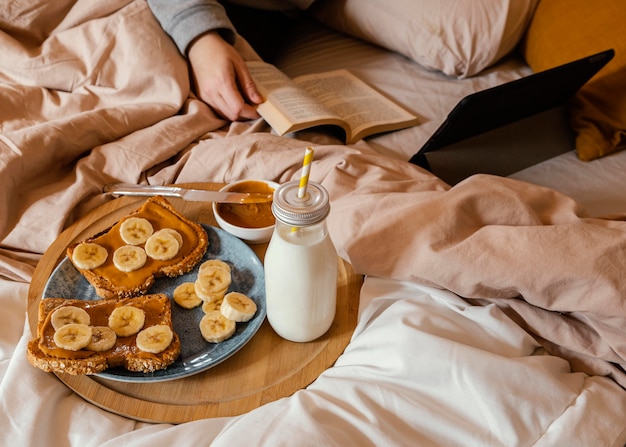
[[300, 265]]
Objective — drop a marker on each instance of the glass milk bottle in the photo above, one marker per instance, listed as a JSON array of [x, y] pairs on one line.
[[300, 265]]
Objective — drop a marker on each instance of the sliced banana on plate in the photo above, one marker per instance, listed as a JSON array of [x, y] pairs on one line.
[[185, 295], [69, 315], [209, 297], [136, 230], [155, 339], [162, 245], [129, 258], [211, 263], [212, 283], [210, 306], [103, 338], [73, 336], [238, 307], [88, 256], [126, 320], [215, 327]]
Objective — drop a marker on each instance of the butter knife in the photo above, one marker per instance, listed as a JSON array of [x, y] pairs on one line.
[[192, 195]]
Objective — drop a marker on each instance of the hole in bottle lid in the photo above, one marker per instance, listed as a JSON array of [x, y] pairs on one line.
[[293, 210]]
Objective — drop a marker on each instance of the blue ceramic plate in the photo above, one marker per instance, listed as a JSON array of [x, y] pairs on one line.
[[196, 355]]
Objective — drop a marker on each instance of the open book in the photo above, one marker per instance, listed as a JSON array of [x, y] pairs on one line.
[[332, 98]]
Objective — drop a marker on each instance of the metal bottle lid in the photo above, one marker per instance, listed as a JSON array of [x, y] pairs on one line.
[[292, 210]]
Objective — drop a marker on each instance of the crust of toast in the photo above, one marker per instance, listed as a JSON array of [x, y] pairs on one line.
[[107, 288], [124, 353]]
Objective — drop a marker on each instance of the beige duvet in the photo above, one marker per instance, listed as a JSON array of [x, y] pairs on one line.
[[96, 93]]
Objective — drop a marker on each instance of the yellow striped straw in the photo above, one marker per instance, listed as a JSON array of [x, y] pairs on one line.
[[306, 169]]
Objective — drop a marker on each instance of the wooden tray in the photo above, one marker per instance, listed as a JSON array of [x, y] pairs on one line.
[[266, 369]]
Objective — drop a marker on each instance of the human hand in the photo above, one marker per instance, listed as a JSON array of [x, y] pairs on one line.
[[222, 79]]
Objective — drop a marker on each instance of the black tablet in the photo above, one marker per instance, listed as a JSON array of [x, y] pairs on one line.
[[513, 101]]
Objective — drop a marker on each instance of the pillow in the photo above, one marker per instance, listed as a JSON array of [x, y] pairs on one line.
[[565, 30], [457, 37]]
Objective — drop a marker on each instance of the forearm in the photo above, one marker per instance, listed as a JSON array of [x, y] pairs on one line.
[[185, 20]]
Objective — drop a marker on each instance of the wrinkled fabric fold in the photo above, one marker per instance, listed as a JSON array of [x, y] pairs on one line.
[[102, 96]]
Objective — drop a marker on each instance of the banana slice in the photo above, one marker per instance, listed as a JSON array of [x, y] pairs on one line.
[[136, 230], [210, 306], [185, 295], [155, 339], [215, 327], [176, 234], [212, 282], [88, 256], [238, 307], [126, 320], [128, 258], [68, 315], [209, 297], [214, 263], [73, 336], [102, 339], [162, 246]]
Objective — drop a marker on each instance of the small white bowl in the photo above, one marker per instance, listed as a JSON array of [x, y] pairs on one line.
[[250, 234]]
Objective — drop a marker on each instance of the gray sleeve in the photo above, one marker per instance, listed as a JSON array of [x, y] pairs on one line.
[[184, 20]]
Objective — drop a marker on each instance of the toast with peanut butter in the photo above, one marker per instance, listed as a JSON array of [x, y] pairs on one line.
[[153, 241], [87, 337]]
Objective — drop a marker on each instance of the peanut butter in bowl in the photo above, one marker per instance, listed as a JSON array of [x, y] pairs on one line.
[[251, 222]]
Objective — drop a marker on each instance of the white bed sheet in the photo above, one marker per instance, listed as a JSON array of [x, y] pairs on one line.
[[423, 367], [417, 352]]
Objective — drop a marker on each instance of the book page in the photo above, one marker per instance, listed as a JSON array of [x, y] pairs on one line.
[[358, 104], [283, 95], [333, 98]]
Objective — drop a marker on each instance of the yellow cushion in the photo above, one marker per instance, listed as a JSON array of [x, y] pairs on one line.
[[565, 30]]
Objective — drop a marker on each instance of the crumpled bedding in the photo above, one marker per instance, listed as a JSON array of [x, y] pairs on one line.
[[466, 286], [423, 368]]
